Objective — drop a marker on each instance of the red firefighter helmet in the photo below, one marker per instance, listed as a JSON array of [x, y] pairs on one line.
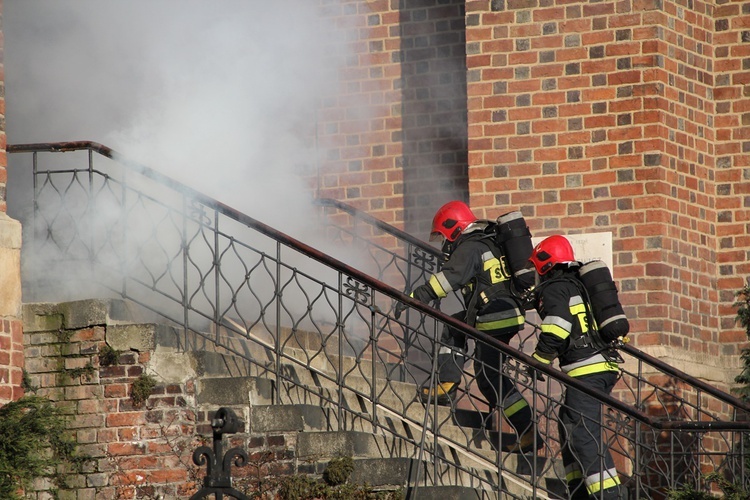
[[551, 251], [451, 220]]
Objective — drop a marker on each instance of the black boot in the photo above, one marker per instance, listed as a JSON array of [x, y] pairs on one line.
[[443, 394], [577, 490], [609, 494]]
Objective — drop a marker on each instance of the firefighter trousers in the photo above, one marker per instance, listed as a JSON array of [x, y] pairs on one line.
[[497, 387], [589, 468]]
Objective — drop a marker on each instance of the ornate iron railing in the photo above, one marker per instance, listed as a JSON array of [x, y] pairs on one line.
[[323, 331]]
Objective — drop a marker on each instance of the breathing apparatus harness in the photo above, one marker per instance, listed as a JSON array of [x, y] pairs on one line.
[[593, 337], [510, 241]]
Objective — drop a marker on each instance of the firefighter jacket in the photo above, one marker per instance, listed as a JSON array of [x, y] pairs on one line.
[[477, 268], [566, 326]]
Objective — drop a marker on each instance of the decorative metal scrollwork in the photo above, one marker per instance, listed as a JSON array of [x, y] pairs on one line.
[[620, 422], [359, 292], [426, 261], [218, 480], [198, 211]]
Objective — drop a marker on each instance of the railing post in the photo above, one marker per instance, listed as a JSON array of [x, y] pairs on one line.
[[277, 340], [672, 482], [184, 250], [373, 369], [35, 210], [407, 331], [637, 440], [124, 235], [91, 209], [339, 374], [433, 382], [743, 468], [218, 480], [217, 282]]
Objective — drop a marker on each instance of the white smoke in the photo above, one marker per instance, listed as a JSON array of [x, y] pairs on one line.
[[219, 95]]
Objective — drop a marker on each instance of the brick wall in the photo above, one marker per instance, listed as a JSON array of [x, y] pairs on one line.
[[394, 136], [623, 117], [135, 449], [144, 448], [626, 116], [731, 25], [11, 342]]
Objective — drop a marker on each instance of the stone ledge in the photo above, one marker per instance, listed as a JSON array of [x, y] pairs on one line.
[[50, 316], [10, 267], [699, 365]]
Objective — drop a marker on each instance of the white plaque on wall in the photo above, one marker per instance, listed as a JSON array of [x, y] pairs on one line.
[[590, 246]]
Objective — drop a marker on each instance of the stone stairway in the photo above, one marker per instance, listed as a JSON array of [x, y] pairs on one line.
[[392, 441], [395, 443]]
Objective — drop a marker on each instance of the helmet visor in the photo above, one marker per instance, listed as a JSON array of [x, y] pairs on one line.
[[437, 236]]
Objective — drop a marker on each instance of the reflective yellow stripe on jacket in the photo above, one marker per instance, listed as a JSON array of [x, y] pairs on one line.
[[595, 364]]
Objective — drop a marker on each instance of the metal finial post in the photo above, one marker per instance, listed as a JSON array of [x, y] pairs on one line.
[[218, 480]]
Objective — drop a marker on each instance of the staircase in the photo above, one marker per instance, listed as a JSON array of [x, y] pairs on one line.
[[264, 323], [382, 459], [314, 430]]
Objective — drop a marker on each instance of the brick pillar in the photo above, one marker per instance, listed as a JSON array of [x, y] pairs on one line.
[[625, 117], [358, 127], [732, 130], [393, 135], [11, 335]]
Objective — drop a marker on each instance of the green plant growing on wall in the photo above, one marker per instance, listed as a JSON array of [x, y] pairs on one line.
[[338, 471], [27, 384], [33, 444], [141, 389], [334, 485], [731, 491], [743, 318], [85, 371], [108, 356]]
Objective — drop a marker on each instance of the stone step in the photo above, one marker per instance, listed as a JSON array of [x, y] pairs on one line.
[[319, 438], [237, 356], [388, 472], [313, 445], [448, 493], [405, 418], [310, 387]]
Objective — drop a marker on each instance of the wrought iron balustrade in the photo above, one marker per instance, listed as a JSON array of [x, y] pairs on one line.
[[324, 332]]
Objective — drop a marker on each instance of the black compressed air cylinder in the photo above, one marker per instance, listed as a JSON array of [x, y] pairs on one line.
[[514, 238], [606, 307]]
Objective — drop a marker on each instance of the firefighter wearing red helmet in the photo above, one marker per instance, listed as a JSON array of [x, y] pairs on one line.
[[566, 334], [474, 265]]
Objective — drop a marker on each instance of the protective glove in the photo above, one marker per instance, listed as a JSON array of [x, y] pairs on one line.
[[399, 308], [532, 372], [424, 294]]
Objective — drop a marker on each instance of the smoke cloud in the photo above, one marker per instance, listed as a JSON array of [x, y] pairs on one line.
[[218, 95]]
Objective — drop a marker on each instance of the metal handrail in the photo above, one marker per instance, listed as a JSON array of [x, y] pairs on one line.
[[383, 226], [384, 288], [631, 350], [378, 319]]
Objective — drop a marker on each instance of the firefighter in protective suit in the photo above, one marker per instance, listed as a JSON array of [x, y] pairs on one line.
[[475, 265], [566, 327]]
